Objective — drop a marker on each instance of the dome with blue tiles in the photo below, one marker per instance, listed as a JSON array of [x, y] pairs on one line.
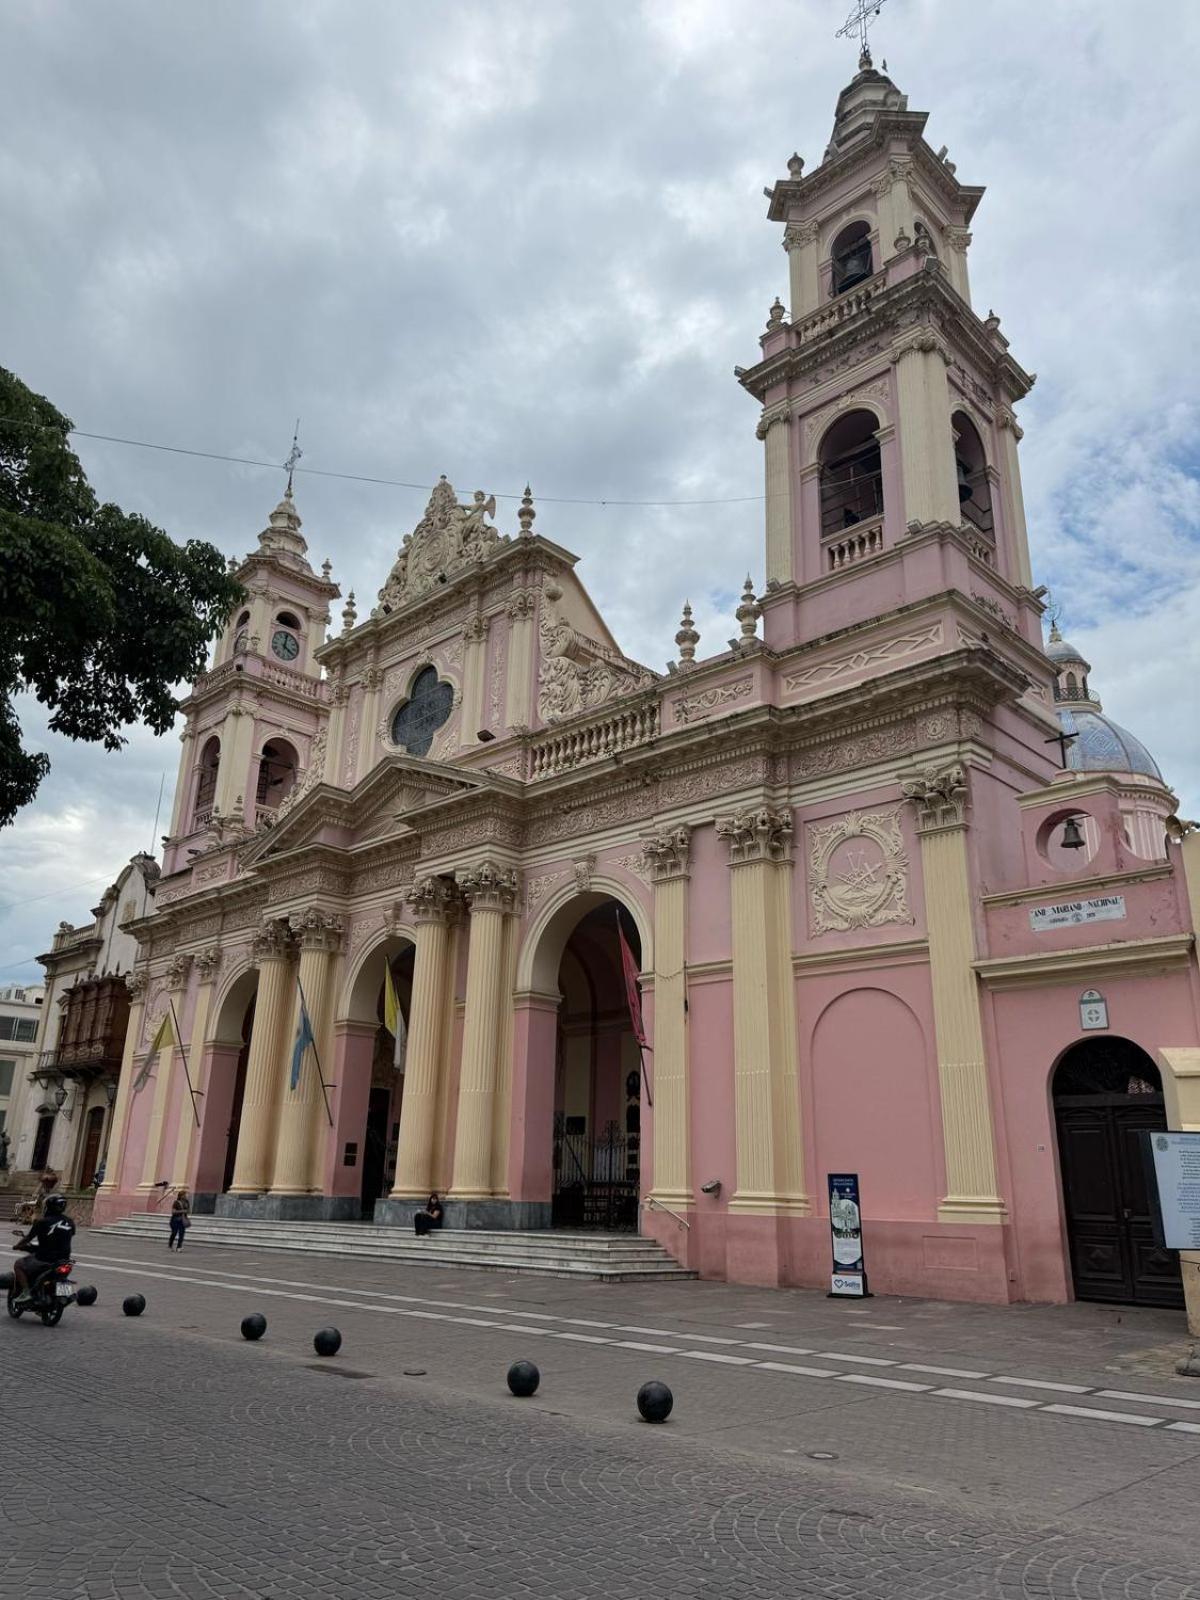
[[1098, 744]]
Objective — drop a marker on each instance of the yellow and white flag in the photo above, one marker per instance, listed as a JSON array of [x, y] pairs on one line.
[[393, 1019], [163, 1037]]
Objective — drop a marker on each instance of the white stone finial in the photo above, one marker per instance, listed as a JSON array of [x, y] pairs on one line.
[[748, 612], [795, 166], [349, 614], [687, 638], [526, 514], [776, 316]]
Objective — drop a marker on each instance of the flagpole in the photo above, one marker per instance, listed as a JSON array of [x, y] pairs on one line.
[[183, 1052], [316, 1057]]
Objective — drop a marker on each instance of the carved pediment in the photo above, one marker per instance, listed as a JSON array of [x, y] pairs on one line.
[[448, 538]]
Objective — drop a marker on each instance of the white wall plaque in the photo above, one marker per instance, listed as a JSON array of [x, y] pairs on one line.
[[1093, 1010], [1176, 1158], [1063, 913]]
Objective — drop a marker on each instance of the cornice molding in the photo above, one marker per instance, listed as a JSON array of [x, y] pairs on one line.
[[1090, 963], [1079, 886]]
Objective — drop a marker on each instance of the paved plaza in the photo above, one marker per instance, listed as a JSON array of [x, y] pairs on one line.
[[892, 1449]]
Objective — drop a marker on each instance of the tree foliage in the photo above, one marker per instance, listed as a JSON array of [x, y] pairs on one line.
[[101, 613]]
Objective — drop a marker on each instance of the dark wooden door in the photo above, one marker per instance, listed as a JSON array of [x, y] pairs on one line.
[[41, 1143], [1113, 1253], [235, 1118], [374, 1158], [91, 1147]]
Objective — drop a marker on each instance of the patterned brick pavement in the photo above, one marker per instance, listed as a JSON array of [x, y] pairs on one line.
[[194, 1465]]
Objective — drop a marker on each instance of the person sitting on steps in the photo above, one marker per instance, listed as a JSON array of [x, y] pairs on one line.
[[430, 1218]]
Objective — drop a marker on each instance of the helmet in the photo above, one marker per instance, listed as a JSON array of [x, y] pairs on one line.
[[56, 1204]]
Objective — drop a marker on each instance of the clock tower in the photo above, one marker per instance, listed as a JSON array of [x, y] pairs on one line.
[[255, 721]]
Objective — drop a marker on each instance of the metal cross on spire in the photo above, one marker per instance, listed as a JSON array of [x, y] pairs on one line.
[[859, 20], [294, 455]]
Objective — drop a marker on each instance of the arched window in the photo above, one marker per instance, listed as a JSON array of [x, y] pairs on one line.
[[851, 474], [288, 619], [970, 464], [428, 706], [206, 785], [851, 257], [276, 774]]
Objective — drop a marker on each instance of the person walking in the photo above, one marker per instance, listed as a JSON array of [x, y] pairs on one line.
[[181, 1219]]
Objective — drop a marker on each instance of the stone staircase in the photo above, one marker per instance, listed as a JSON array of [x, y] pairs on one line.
[[604, 1257]]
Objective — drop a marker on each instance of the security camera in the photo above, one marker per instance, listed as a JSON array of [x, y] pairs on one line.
[[713, 1186]]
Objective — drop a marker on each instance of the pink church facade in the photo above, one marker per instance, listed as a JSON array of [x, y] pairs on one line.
[[902, 898]]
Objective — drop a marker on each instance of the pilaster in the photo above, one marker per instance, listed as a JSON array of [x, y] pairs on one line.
[[372, 684], [301, 1109], [207, 965], [1012, 502], [667, 853], [272, 953], [775, 432], [491, 892], [770, 1173], [434, 902], [923, 412], [941, 797], [234, 778], [518, 694], [137, 983], [158, 1137], [800, 242], [475, 637]]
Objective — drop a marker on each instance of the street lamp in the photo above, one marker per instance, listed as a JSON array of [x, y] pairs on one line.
[[61, 1095]]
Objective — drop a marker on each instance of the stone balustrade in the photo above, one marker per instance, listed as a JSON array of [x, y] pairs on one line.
[[857, 544], [591, 741]]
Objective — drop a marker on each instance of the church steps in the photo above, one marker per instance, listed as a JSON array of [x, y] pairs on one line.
[[606, 1258]]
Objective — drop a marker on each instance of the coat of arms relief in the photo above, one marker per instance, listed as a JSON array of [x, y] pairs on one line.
[[857, 872], [448, 538]]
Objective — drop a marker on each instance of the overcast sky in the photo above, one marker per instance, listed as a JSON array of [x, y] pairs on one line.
[[525, 239]]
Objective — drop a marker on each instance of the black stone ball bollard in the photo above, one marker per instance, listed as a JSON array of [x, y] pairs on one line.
[[254, 1326], [328, 1342], [523, 1379], [654, 1401], [133, 1305], [86, 1296]]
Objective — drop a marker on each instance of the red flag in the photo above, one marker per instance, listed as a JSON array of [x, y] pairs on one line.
[[633, 994]]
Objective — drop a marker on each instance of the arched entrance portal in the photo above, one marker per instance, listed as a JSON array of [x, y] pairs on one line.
[[224, 1084], [598, 1080], [1106, 1092], [382, 1135]]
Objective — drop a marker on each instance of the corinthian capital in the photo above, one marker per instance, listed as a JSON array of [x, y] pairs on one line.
[[207, 963], [489, 887], [272, 942], [940, 796], [758, 835], [177, 971], [667, 852], [137, 982], [317, 930], [433, 899], [799, 233]]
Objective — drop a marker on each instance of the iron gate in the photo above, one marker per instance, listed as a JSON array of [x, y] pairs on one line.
[[595, 1178]]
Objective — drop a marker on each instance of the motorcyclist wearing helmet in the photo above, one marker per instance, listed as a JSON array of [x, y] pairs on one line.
[[48, 1243]]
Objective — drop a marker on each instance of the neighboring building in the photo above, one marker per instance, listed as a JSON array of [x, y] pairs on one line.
[[21, 1013], [62, 1114], [884, 926]]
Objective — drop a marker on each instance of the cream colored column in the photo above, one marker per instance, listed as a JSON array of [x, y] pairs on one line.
[[157, 1138], [207, 965], [114, 1154], [923, 423], [775, 432], [667, 853], [234, 777], [770, 1168], [958, 240], [368, 735], [1012, 499], [272, 953], [185, 784], [1181, 1091], [433, 902], [804, 279], [502, 1110], [941, 801], [338, 697], [475, 637], [491, 893], [302, 1109]]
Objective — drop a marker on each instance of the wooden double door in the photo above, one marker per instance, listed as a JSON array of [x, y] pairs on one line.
[[1113, 1253]]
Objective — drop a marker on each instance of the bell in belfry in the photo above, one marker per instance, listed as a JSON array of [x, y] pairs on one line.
[[965, 491]]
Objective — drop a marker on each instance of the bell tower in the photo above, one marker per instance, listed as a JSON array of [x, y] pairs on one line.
[[887, 421], [255, 721]]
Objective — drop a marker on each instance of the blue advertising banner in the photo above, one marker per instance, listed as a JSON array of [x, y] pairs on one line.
[[845, 1229]]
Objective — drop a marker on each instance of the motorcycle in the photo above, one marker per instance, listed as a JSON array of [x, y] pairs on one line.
[[50, 1297]]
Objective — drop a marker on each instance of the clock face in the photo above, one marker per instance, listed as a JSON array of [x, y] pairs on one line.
[[285, 645]]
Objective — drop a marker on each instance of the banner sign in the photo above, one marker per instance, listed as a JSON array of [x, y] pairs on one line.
[[1173, 1164], [1065, 913], [845, 1230]]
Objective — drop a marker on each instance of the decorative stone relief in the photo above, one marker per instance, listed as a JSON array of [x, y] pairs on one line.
[[521, 604], [708, 699], [272, 942], [313, 773], [582, 871], [576, 673], [757, 835], [214, 872], [993, 608], [317, 930], [860, 750], [666, 853], [177, 971], [207, 963], [636, 864], [489, 887], [448, 538], [536, 889], [894, 649], [136, 982], [513, 767], [941, 797], [500, 654], [924, 340], [350, 756], [857, 872], [797, 234]]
